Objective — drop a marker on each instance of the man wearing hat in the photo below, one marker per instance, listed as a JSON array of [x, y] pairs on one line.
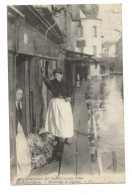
[[59, 119]]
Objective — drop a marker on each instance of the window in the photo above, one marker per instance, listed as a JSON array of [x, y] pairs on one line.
[[95, 31], [94, 50]]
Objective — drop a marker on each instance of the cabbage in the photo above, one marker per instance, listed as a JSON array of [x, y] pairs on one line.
[[42, 149]]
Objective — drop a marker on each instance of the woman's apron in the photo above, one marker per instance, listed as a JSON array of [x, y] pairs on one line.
[[59, 120]]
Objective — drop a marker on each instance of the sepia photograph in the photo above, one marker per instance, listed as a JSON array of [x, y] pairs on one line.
[[66, 94]]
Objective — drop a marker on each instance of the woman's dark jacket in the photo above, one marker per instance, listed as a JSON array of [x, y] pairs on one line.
[[59, 89]]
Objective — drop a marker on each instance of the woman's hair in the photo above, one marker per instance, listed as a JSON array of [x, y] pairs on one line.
[[57, 70], [19, 87]]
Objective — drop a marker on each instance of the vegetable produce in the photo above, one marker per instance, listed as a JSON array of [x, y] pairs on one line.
[[42, 149]]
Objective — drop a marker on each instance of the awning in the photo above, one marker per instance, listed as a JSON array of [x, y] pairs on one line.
[[100, 59], [77, 56]]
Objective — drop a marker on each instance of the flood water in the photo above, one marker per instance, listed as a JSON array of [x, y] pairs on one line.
[[104, 97]]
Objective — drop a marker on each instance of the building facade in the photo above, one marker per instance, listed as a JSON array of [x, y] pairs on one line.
[[91, 42], [34, 42], [91, 33]]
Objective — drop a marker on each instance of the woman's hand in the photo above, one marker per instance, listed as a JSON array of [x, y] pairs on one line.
[[68, 99]]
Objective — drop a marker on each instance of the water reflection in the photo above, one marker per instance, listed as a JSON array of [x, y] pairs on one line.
[[104, 97]]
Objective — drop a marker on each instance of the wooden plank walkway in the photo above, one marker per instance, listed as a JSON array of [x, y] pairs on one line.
[[68, 165], [45, 170], [76, 158], [84, 164]]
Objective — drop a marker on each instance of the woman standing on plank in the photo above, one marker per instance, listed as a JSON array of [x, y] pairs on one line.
[[59, 120]]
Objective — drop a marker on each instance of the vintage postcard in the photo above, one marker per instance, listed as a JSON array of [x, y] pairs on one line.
[[66, 110]]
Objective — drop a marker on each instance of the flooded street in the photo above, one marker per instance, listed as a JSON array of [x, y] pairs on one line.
[[97, 147], [104, 98]]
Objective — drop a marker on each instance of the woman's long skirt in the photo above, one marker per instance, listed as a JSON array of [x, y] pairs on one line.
[[59, 120], [23, 154]]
